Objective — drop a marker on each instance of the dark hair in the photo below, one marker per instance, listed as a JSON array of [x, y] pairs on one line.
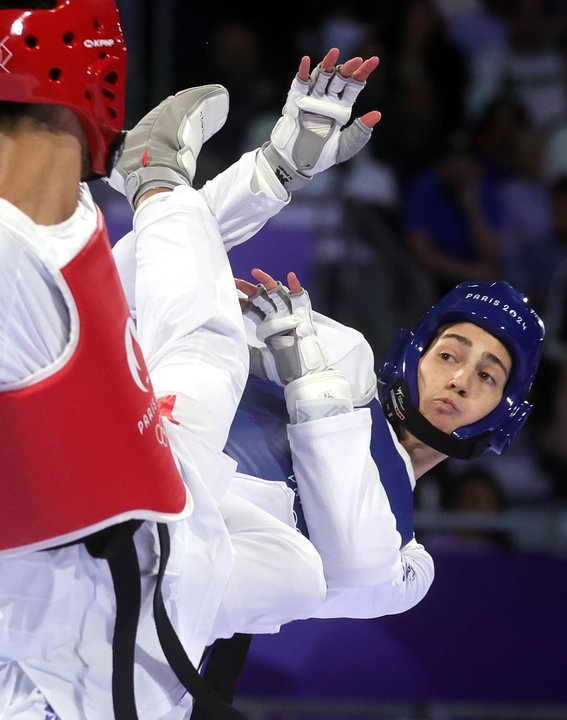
[[42, 113]]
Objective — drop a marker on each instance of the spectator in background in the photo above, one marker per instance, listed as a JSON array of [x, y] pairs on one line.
[[554, 381], [529, 67], [532, 247], [452, 217], [476, 25], [494, 136], [235, 58], [425, 89], [376, 262], [556, 146], [345, 25], [475, 492]]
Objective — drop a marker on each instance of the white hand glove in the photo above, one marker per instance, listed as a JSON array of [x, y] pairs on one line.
[[284, 323], [308, 139]]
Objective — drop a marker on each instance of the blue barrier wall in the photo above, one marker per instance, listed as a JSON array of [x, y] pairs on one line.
[[492, 628]]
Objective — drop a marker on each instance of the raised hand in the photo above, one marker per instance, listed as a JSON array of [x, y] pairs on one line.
[[284, 323], [311, 135]]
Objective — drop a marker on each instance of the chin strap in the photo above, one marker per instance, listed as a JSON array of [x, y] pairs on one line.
[[401, 413]]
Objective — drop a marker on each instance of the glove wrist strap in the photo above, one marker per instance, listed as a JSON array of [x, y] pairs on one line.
[[288, 176], [321, 394], [144, 179]]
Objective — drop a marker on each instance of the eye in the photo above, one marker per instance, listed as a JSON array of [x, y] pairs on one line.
[[486, 377], [446, 356]]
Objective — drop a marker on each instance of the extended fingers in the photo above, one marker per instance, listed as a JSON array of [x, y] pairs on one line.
[[330, 60], [262, 277], [304, 68], [293, 283], [327, 64], [356, 67], [372, 118], [245, 287], [365, 69], [359, 69], [349, 67], [269, 283]]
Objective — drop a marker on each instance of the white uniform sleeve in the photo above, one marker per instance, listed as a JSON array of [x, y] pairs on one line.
[[385, 598], [351, 523], [243, 198]]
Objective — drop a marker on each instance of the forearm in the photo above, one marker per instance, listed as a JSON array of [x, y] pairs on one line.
[[312, 135], [385, 598], [243, 198], [345, 505]]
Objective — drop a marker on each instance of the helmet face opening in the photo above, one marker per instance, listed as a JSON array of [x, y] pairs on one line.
[[503, 312], [73, 55]]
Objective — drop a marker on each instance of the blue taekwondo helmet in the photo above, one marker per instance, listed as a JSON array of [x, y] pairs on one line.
[[502, 311]]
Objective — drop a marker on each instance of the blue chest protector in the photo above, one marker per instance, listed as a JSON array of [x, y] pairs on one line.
[[258, 442]]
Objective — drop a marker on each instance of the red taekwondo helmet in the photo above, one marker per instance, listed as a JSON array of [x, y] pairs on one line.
[[502, 311], [73, 55]]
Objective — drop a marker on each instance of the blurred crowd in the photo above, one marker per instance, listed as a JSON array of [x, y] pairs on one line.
[[465, 177]]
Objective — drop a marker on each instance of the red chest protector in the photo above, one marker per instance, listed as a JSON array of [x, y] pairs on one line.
[[84, 447]]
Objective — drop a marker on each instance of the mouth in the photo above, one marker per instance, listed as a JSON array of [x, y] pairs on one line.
[[445, 404]]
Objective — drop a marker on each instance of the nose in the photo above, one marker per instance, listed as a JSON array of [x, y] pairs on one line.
[[460, 382]]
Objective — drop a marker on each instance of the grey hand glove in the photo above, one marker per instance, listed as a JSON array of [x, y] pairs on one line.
[[284, 322], [293, 355], [162, 149]]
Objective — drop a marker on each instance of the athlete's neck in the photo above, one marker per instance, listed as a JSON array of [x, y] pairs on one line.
[[423, 457], [40, 171]]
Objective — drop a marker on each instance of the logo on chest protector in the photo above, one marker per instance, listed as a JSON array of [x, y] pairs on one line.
[[141, 377], [135, 358]]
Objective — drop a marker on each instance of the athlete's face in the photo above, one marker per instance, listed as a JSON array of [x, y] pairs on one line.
[[461, 377]]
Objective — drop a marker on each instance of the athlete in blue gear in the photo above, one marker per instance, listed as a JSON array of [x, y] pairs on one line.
[[457, 385], [498, 310]]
